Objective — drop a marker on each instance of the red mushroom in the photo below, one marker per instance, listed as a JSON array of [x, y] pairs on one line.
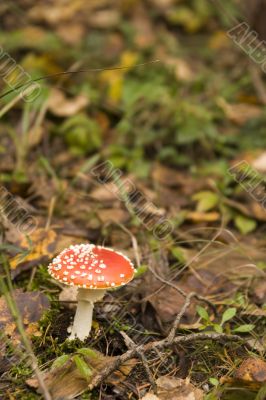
[[93, 269]]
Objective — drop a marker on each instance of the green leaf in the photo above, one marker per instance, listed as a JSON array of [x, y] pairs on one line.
[[244, 328], [218, 328], [228, 314], [83, 367], [60, 361], [85, 351], [245, 225], [203, 313], [178, 253], [141, 270], [214, 381], [207, 200]]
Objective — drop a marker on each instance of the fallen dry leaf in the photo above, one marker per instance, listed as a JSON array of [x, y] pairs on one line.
[[260, 163], [258, 344], [35, 136], [167, 176], [248, 207], [71, 33], [104, 19], [197, 216], [182, 69], [112, 214], [66, 382], [144, 33], [60, 11], [251, 374], [150, 396], [61, 106], [219, 40], [105, 193], [31, 306], [163, 4], [166, 302], [252, 370], [239, 113], [217, 272], [256, 210], [175, 389], [39, 247], [259, 291]]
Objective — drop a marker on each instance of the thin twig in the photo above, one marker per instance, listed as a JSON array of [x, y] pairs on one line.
[[161, 344], [176, 323], [134, 243], [188, 264], [131, 345], [184, 294]]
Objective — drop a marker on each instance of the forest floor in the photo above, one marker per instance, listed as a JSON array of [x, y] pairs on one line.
[[156, 148]]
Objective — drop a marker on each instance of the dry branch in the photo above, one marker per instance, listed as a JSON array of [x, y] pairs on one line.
[[161, 344]]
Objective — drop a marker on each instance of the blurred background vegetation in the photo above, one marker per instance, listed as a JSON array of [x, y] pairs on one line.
[[183, 108]]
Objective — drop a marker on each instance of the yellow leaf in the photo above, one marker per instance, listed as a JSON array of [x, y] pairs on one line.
[[203, 217], [219, 40], [115, 78]]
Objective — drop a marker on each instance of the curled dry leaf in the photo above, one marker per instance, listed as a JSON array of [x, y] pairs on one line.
[[198, 216], [31, 306], [61, 106]]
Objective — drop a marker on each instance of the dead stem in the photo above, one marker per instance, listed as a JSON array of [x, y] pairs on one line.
[[131, 345], [161, 344]]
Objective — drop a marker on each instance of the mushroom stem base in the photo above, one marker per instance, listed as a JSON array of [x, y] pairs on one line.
[[83, 317]]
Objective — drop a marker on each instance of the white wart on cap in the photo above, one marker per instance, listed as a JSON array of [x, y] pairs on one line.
[[93, 267]]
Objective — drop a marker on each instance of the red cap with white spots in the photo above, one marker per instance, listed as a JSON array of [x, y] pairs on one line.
[[92, 267]]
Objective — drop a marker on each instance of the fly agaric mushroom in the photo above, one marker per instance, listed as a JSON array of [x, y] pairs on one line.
[[93, 270]]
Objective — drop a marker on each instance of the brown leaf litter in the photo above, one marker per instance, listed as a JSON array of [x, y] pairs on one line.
[[67, 382], [31, 306]]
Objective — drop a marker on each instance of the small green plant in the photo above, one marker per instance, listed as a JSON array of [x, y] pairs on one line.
[[79, 360], [214, 382], [228, 315]]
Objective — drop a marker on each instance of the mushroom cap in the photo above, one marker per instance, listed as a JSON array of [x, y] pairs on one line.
[[92, 267]]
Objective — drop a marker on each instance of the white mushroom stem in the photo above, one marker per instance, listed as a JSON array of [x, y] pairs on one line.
[[83, 317]]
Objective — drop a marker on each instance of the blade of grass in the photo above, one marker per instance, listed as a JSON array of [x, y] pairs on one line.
[[6, 288]]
